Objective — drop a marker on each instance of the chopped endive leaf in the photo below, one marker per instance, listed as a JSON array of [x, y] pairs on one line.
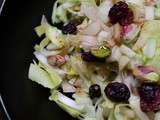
[[40, 30], [111, 115], [78, 66], [43, 44], [40, 76], [158, 3], [60, 12], [108, 104], [53, 34], [150, 48], [154, 62], [157, 116], [55, 96], [125, 112], [136, 2], [150, 31], [56, 79], [37, 48], [127, 51], [103, 11], [41, 57], [153, 77], [47, 78], [70, 71], [50, 53], [149, 43], [157, 13], [72, 1]]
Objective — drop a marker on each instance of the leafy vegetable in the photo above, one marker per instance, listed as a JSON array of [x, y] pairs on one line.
[[68, 88], [111, 116], [52, 34], [67, 104], [157, 13], [149, 32], [78, 65], [60, 13], [155, 60], [158, 3], [149, 41], [157, 116], [115, 54], [154, 77], [40, 30], [137, 2], [89, 9], [108, 107], [42, 45], [123, 62], [103, 11], [41, 57], [149, 12], [89, 109], [150, 48], [127, 51], [81, 108], [124, 112], [92, 29], [49, 78], [72, 1], [89, 2]]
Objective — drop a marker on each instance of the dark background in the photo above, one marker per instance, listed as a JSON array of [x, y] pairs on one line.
[[1, 1], [24, 99]]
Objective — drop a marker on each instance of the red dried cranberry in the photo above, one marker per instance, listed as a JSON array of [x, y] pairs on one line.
[[128, 19], [94, 91], [149, 97], [71, 27], [121, 13], [87, 56], [117, 92]]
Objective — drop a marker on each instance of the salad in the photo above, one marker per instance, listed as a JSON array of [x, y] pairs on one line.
[[101, 58]]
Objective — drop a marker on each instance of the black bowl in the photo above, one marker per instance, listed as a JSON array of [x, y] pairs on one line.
[[24, 99]]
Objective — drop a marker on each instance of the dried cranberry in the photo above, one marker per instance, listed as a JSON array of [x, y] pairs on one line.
[[117, 92], [149, 97], [121, 13], [94, 91], [128, 19], [71, 27], [147, 92], [87, 56]]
